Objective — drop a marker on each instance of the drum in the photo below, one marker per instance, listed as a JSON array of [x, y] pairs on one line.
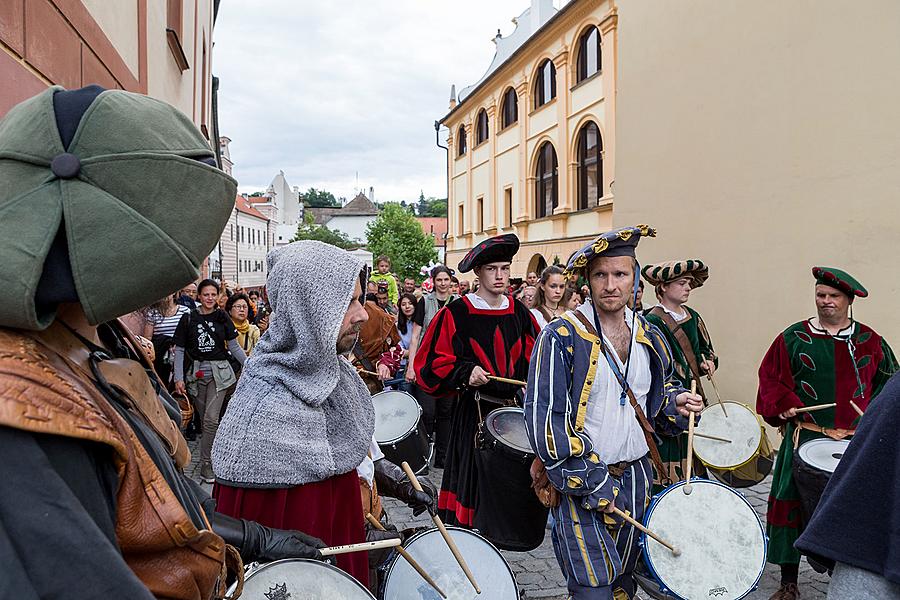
[[814, 462], [299, 578], [399, 430], [428, 548], [721, 539], [749, 457], [508, 512]]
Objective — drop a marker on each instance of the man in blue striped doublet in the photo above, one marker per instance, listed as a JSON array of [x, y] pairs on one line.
[[581, 420]]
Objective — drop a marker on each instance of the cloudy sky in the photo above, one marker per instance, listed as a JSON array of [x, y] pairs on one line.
[[325, 89]]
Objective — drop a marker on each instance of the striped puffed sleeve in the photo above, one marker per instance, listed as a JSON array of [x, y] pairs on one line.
[[668, 421], [572, 465]]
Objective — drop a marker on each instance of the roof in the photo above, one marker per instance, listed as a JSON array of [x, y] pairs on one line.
[[321, 215], [258, 199], [360, 205], [243, 206], [436, 226]]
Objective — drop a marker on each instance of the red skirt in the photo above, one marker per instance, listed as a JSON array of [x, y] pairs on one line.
[[330, 510]]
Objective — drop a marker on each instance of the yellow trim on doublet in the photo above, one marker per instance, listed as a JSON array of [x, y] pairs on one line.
[[581, 413], [582, 547]]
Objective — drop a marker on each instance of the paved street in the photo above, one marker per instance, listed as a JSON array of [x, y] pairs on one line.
[[538, 573]]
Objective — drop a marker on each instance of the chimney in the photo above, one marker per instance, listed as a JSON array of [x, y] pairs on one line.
[[371, 193], [452, 96]]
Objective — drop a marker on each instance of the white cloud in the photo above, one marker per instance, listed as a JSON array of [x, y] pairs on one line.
[[322, 90]]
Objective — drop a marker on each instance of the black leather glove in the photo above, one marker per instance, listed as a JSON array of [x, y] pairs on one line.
[[392, 481], [260, 543]]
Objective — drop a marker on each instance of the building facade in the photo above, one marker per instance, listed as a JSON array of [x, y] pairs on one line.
[[351, 219], [532, 142], [246, 240]]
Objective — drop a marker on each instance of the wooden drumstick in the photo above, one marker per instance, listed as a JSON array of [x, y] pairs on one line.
[[687, 489], [412, 562], [716, 390], [364, 372], [507, 380], [440, 525], [858, 410], [361, 547], [637, 525], [711, 437], [807, 409]]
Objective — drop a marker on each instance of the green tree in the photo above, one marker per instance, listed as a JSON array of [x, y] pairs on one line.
[[319, 199], [308, 230], [397, 234], [433, 207]]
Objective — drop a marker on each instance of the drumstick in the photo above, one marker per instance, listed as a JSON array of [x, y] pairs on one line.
[[716, 390], [440, 525], [690, 449], [506, 380], [637, 525], [807, 409], [711, 437], [364, 372], [412, 562], [361, 547], [858, 410]]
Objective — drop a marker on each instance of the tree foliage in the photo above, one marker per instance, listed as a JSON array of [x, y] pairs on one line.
[[308, 230], [431, 207], [319, 199], [397, 234]]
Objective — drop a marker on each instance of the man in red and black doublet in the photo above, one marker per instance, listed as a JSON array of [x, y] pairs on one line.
[[470, 335]]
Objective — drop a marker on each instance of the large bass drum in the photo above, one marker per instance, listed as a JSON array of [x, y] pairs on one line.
[[748, 458], [508, 512], [399, 430], [296, 578], [491, 571], [721, 539], [814, 463]]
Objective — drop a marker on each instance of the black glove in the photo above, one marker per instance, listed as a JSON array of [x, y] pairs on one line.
[[260, 543], [392, 481]]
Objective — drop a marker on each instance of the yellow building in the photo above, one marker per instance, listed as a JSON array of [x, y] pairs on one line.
[[531, 143]]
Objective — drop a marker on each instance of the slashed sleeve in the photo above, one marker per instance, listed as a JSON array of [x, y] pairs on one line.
[[776, 393], [439, 364]]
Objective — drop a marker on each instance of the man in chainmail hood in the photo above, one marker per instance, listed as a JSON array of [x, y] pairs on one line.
[[301, 420]]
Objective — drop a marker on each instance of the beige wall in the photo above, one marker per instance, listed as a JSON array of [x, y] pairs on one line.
[[119, 21], [763, 138]]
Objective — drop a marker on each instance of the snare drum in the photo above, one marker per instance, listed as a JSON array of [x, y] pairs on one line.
[[299, 578], [491, 571], [721, 539], [748, 458], [814, 462], [508, 512], [399, 431]]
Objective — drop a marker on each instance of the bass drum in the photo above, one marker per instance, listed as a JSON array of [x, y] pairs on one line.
[[428, 548], [399, 430], [299, 578], [744, 462], [814, 463]]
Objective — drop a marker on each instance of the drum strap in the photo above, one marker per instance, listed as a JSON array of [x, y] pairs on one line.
[[646, 427], [683, 343], [835, 434]]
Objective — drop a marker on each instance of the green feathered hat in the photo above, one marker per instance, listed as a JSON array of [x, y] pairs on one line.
[[840, 280]]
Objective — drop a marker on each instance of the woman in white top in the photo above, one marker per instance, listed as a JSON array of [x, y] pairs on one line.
[[162, 319], [548, 299]]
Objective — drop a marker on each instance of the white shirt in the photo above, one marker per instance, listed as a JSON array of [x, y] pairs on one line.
[[613, 428], [481, 304], [366, 469], [672, 313], [539, 317]]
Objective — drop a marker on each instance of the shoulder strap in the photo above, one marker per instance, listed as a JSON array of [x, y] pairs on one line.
[[360, 355], [546, 314], [683, 343]]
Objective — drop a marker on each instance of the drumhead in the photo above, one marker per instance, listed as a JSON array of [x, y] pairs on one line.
[[396, 414], [507, 425], [741, 426], [428, 548], [300, 578], [721, 539], [824, 454]]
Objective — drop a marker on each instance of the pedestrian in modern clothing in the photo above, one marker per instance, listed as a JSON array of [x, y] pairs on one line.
[[405, 324], [162, 319], [248, 333]]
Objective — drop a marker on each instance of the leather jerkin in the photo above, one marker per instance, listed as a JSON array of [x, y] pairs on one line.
[[44, 388]]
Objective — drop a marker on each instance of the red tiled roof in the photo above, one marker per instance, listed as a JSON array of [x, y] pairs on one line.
[[243, 206], [436, 226], [258, 199]]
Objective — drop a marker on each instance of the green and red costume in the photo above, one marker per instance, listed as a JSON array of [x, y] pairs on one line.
[[806, 366]]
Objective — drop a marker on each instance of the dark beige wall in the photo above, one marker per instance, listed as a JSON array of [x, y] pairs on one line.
[[763, 137]]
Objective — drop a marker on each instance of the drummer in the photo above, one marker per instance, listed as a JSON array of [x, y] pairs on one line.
[[688, 339], [829, 358], [581, 421], [377, 349]]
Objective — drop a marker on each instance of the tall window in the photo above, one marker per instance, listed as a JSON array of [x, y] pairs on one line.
[[545, 84], [510, 108], [507, 207], [588, 54], [546, 184], [481, 127], [461, 219], [479, 214], [461, 141], [590, 165]]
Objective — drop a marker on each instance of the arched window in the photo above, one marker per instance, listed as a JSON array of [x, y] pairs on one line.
[[510, 108], [546, 186], [481, 127], [590, 165], [461, 141], [545, 84], [588, 54]]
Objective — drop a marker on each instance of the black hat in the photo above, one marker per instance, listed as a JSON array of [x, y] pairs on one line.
[[501, 248]]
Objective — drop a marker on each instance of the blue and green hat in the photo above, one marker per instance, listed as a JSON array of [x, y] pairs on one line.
[[618, 242]]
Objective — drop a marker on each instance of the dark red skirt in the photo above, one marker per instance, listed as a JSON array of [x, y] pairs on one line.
[[330, 510]]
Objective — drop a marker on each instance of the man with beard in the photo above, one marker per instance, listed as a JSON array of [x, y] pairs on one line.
[[593, 402], [829, 358], [301, 420]]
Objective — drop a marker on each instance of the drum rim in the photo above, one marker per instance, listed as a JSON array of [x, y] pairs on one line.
[[408, 432], [488, 431], [697, 480], [817, 441], [410, 539], [758, 446], [264, 566]]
